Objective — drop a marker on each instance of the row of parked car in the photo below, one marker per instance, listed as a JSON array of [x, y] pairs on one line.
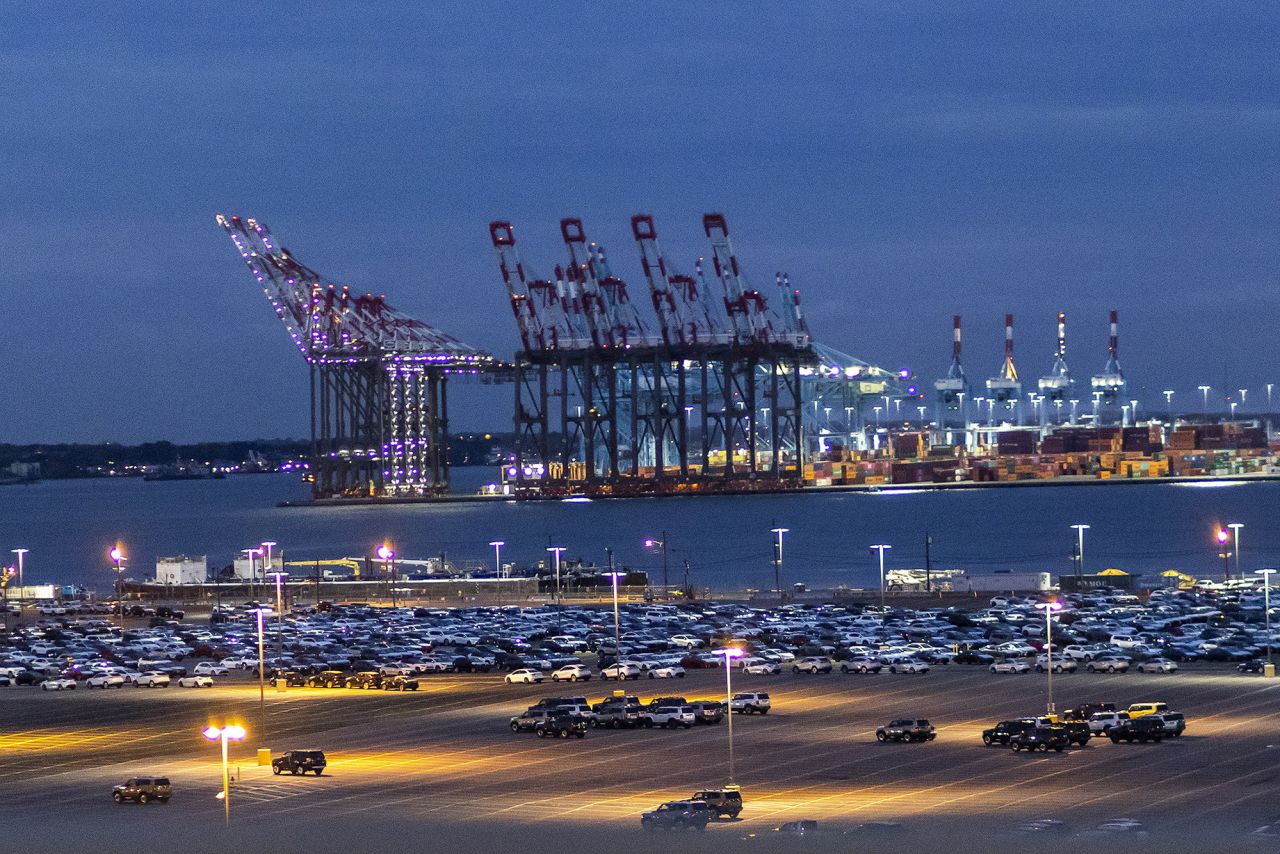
[[565, 716]]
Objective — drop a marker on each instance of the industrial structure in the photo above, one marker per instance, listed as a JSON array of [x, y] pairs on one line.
[[953, 389], [1055, 387], [704, 395], [1109, 386], [379, 379], [1004, 390]]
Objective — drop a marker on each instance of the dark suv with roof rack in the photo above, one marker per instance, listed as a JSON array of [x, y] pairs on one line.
[[299, 762]]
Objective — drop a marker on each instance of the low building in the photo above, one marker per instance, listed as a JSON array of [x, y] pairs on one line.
[[182, 569]]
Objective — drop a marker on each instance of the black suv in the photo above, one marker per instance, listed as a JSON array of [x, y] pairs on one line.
[[1087, 710], [723, 803], [906, 729], [1040, 738], [142, 790], [328, 679], [399, 683], [556, 724], [291, 678], [1005, 730], [1145, 728], [299, 762], [367, 679]]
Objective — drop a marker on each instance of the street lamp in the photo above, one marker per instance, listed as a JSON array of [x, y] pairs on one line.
[[651, 543], [231, 732], [268, 545], [729, 653], [1266, 605], [881, 550], [279, 577], [617, 631], [20, 553], [1080, 529], [1168, 403], [557, 550], [118, 558], [1225, 554], [1204, 390], [387, 555], [253, 571], [497, 557], [777, 558], [1049, 608], [1235, 540], [262, 677]]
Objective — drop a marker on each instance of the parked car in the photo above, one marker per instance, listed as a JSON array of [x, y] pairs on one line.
[[525, 675], [152, 679], [707, 711], [299, 762], [399, 683], [669, 717], [1100, 723], [750, 703], [909, 665], [209, 668], [723, 802], [561, 725], [906, 729], [672, 671], [572, 673], [1156, 665], [677, 815], [1002, 732], [105, 680], [811, 664], [142, 790], [1011, 666], [59, 684], [620, 671], [860, 665], [1043, 739], [1060, 664], [1141, 729], [1108, 664], [1174, 723], [195, 682], [761, 667]]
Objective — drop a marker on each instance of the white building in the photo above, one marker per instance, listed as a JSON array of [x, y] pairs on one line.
[[182, 569]]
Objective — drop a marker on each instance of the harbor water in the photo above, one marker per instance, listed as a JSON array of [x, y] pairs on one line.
[[69, 525]]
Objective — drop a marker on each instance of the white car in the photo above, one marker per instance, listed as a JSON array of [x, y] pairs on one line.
[[621, 671], [1157, 665], [208, 668], [151, 679], [58, 685], [760, 667], [195, 682], [1010, 667], [686, 641], [527, 675], [670, 671], [105, 680], [909, 665], [572, 673], [1108, 664], [1060, 664]]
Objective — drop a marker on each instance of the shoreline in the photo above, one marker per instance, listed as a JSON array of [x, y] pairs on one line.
[[1066, 480]]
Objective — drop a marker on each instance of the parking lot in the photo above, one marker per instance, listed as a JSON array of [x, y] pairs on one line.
[[444, 757]]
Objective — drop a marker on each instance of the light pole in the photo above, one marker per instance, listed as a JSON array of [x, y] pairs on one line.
[[651, 543], [1232, 417], [1204, 390], [387, 555], [118, 558], [1223, 536], [262, 678], [777, 558], [1074, 404], [280, 576], [232, 732], [1080, 529], [1235, 540], [253, 572], [881, 549], [617, 631], [1266, 610], [1049, 609], [20, 553], [268, 567], [1168, 403], [497, 557], [1133, 409], [556, 550], [729, 653]]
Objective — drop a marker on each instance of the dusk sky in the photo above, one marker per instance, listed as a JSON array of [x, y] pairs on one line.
[[904, 162]]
